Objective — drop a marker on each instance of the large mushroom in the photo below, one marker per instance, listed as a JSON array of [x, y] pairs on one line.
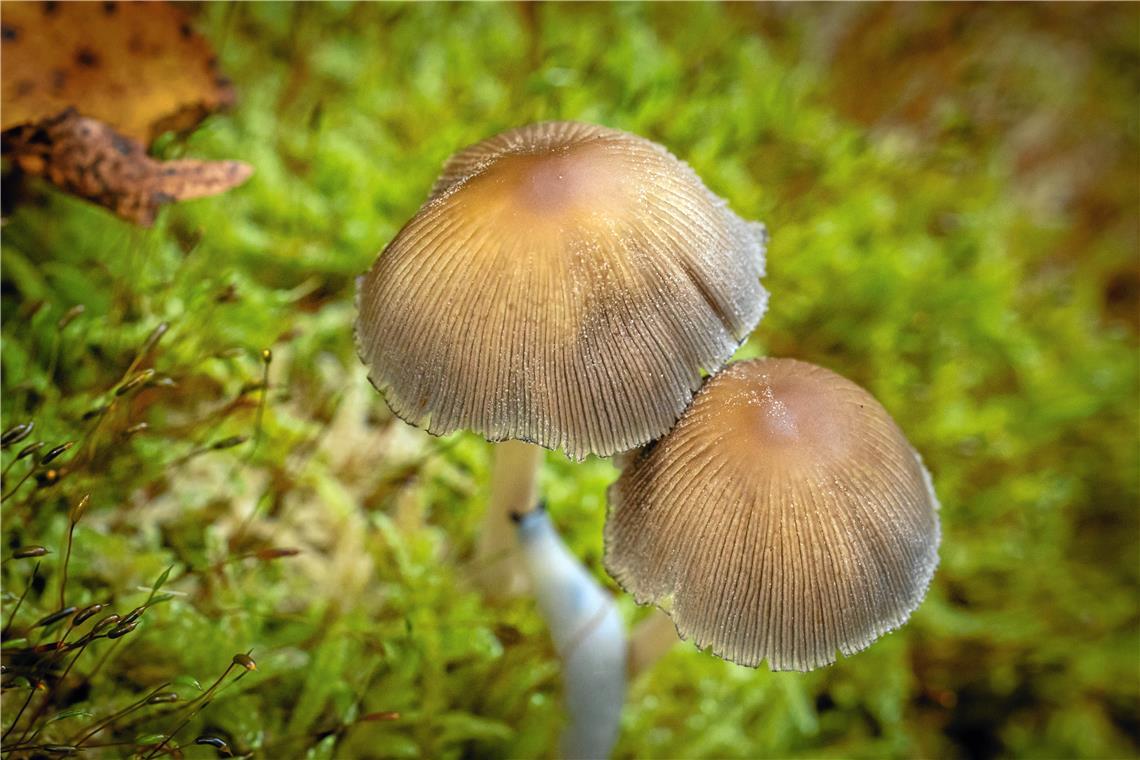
[[785, 518], [564, 287]]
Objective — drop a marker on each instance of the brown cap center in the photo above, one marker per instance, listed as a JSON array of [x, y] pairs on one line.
[[776, 421], [574, 179], [783, 416]]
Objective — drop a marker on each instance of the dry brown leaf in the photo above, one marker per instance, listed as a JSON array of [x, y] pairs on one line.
[[138, 67], [88, 158]]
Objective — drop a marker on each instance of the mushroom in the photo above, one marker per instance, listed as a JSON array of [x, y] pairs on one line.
[[785, 518], [564, 287]]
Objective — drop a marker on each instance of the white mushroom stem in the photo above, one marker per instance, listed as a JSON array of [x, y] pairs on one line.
[[588, 633], [514, 490], [650, 640]]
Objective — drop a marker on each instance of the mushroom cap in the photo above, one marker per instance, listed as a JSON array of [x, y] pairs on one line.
[[565, 284], [785, 518]]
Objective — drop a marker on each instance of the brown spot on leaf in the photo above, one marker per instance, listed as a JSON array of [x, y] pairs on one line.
[[89, 159], [8, 33], [86, 58], [130, 65]]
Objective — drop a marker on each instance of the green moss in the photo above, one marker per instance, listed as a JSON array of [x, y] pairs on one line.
[[986, 300]]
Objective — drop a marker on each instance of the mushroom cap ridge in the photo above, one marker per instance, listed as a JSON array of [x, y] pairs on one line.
[[785, 518], [565, 284]]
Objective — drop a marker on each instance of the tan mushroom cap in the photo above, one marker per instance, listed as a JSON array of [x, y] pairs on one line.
[[785, 518], [565, 285]]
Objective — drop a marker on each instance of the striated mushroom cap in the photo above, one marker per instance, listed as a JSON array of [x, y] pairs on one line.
[[785, 518], [565, 284]]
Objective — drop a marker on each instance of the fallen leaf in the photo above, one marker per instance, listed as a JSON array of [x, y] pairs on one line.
[[138, 67], [90, 159]]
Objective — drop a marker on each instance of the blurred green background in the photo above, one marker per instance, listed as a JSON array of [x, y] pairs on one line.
[[952, 193]]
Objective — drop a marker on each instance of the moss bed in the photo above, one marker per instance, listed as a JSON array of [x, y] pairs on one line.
[[952, 197]]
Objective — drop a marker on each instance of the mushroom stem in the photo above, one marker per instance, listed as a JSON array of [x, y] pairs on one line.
[[514, 491], [588, 634], [650, 640]]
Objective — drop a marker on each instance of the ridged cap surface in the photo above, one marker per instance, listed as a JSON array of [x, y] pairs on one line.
[[565, 285], [785, 518]]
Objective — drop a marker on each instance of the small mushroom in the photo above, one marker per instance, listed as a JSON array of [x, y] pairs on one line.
[[785, 518], [565, 285]]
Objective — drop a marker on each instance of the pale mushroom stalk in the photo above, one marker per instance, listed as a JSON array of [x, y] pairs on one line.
[[514, 491], [588, 634], [650, 640]]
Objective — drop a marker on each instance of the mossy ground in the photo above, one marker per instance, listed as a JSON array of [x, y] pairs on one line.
[[952, 198]]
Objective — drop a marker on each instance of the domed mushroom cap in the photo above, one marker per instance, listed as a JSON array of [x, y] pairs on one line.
[[785, 518], [565, 285]]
